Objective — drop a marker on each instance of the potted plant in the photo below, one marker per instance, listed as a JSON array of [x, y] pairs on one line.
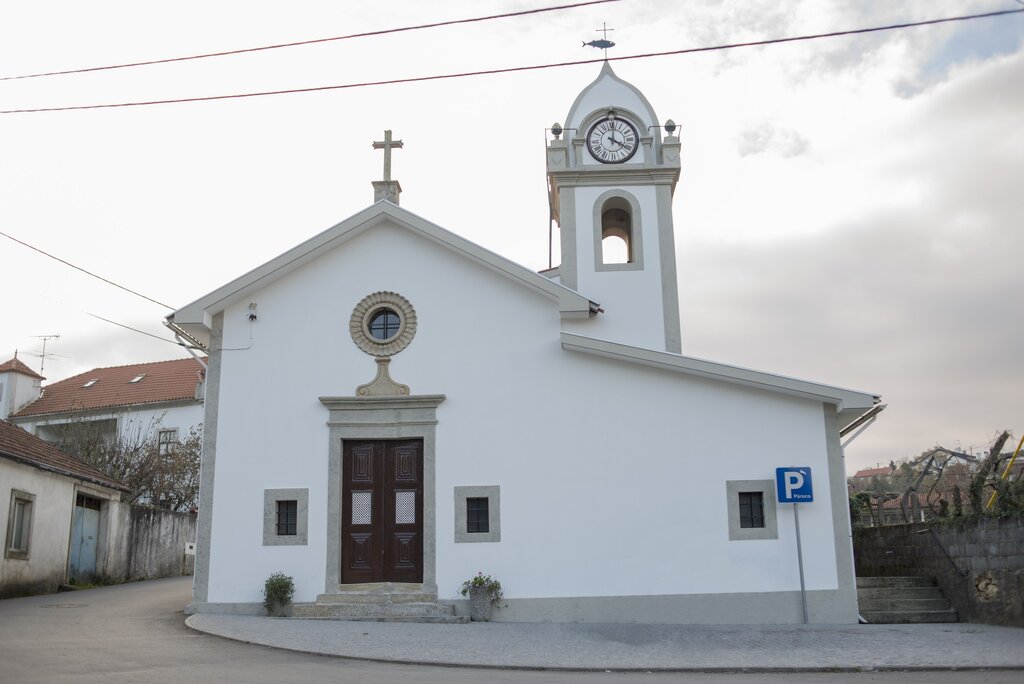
[[484, 591], [277, 595]]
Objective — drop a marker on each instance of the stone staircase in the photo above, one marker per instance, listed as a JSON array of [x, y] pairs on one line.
[[379, 602], [890, 600]]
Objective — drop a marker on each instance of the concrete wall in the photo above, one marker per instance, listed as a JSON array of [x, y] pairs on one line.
[[612, 474], [152, 544], [979, 566], [45, 569], [134, 542]]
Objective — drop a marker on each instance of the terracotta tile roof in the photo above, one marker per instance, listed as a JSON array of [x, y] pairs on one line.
[[161, 381], [16, 366], [20, 445], [922, 500], [871, 472]]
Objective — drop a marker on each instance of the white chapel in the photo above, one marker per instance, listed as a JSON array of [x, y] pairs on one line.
[[463, 413]]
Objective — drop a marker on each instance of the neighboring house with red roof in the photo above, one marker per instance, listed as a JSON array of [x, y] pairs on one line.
[[56, 513], [163, 399], [882, 471]]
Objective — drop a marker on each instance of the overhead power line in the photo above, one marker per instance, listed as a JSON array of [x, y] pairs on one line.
[[141, 332], [107, 320], [365, 34], [79, 268], [486, 72]]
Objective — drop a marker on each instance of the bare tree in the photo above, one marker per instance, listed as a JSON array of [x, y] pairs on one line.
[[165, 477]]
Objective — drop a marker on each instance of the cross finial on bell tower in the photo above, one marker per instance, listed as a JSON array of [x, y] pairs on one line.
[[387, 189]]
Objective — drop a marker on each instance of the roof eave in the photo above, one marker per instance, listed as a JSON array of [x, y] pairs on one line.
[[844, 400], [25, 460]]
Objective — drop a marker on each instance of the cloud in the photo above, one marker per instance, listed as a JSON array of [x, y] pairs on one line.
[[766, 138], [919, 301]]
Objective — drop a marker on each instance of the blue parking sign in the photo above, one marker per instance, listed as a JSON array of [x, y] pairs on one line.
[[793, 484]]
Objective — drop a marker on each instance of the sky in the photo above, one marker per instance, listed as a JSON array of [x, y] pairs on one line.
[[849, 210]]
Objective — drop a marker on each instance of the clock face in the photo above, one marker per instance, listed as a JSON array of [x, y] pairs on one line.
[[612, 141]]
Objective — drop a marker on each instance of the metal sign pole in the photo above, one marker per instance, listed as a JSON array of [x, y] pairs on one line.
[[800, 561]]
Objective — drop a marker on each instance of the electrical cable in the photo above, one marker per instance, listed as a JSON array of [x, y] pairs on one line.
[[79, 268], [142, 332], [485, 72], [107, 320], [365, 34]]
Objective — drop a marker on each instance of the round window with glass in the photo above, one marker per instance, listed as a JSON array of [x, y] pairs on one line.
[[383, 324]]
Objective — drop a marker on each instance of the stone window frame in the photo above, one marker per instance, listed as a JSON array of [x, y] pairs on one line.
[[771, 522], [493, 495], [29, 499], [270, 499]]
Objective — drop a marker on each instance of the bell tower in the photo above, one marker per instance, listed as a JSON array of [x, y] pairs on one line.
[[611, 178]]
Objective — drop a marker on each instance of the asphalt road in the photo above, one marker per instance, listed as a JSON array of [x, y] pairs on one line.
[[136, 633]]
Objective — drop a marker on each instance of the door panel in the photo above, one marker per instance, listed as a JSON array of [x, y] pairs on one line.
[[85, 532], [382, 511], [361, 535]]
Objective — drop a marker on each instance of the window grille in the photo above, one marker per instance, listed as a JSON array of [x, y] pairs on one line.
[[287, 517], [751, 509], [477, 516]]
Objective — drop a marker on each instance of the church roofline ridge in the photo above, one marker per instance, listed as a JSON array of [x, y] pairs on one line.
[[199, 313], [844, 399]]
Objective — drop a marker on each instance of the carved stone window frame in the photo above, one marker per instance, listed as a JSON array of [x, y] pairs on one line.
[[362, 316]]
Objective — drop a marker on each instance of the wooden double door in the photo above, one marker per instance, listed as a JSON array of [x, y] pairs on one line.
[[382, 511]]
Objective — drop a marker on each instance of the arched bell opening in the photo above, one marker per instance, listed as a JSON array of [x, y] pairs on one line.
[[617, 244]]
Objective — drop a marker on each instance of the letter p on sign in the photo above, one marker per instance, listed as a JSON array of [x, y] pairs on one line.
[[793, 484]]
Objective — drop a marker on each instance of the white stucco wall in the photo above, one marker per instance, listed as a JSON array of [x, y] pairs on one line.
[[612, 475], [632, 299], [16, 390]]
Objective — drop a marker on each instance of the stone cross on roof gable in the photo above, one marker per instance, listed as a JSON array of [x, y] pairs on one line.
[[387, 189]]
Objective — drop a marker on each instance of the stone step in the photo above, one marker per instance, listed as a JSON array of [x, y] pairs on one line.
[[892, 617], [886, 582], [900, 592], [898, 603], [376, 598], [446, 620], [389, 612]]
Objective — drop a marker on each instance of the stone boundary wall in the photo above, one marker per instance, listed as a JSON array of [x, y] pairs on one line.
[[151, 543], [979, 566]]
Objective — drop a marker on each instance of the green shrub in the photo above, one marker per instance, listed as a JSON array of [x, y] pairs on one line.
[[277, 593]]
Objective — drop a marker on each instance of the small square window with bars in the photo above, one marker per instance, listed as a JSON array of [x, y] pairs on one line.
[[287, 518], [478, 518], [751, 509]]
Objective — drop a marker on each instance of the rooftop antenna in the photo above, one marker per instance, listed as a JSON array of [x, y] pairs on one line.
[[42, 355], [602, 43]]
